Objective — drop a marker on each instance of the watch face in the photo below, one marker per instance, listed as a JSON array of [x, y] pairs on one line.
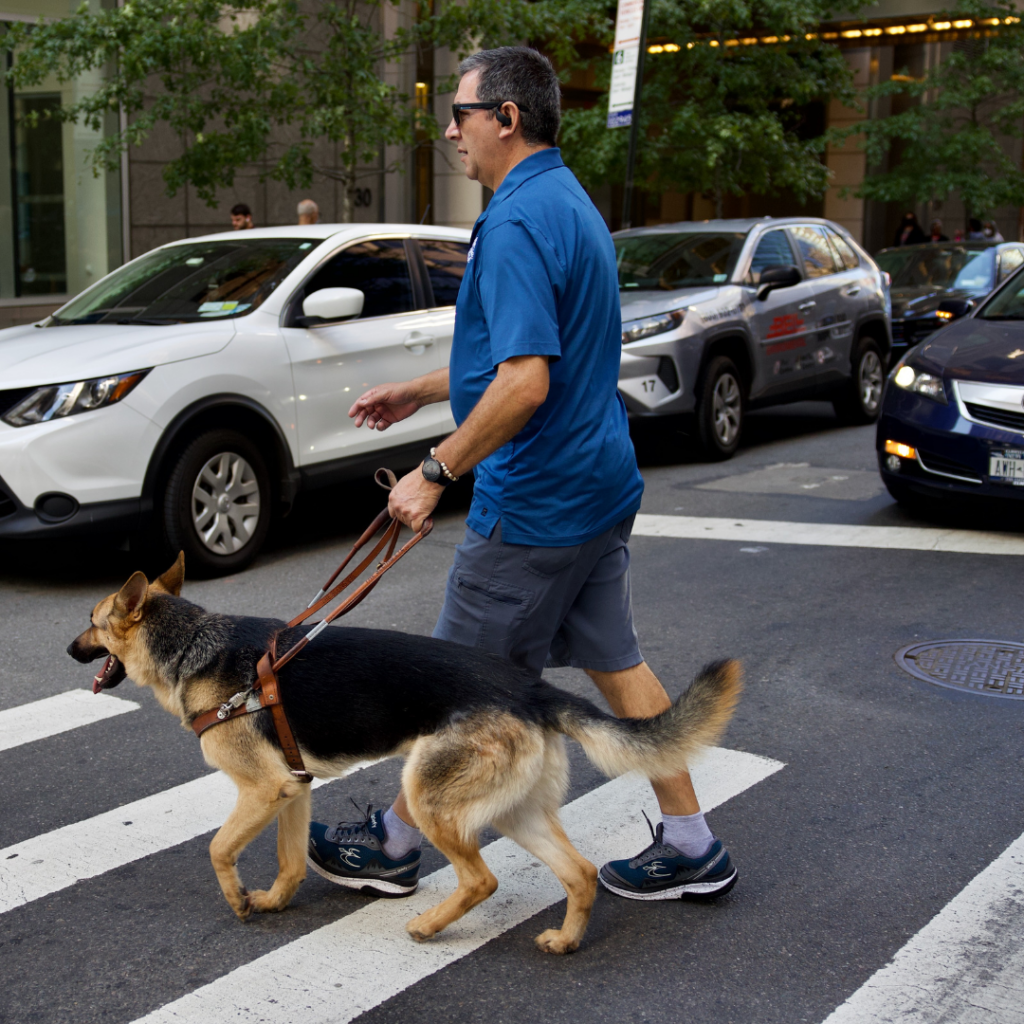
[[432, 470]]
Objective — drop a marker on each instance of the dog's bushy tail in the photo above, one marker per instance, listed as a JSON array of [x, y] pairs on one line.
[[661, 746]]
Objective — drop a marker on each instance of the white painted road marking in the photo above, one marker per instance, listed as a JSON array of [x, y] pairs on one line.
[[339, 971], [48, 863], [768, 531], [966, 966], [53, 715]]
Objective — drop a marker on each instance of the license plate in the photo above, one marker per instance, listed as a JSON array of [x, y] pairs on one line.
[[1007, 466]]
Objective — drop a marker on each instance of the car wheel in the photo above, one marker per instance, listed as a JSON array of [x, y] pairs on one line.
[[910, 499], [861, 401], [217, 503], [720, 409]]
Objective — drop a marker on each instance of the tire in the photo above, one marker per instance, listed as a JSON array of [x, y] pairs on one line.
[[720, 408], [217, 503], [861, 399]]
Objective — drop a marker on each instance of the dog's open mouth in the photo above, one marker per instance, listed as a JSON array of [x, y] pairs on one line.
[[110, 675]]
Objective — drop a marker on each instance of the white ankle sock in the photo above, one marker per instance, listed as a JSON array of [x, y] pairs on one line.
[[402, 838], [688, 833]]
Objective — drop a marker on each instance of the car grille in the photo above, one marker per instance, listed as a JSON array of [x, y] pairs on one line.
[[939, 464], [11, 397], [7, 505], [910, 332], [997, 417]]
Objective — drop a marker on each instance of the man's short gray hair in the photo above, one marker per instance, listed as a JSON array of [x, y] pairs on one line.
[[307, 207], [522, 76]]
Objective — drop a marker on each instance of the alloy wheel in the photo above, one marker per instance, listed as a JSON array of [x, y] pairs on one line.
[[226, 503], [726, 409], [870, 381]]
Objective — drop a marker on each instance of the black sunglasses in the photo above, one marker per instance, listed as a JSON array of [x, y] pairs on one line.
[[457, 109]]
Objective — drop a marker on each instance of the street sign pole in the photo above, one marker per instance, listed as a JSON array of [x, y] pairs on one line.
[[637, 97]]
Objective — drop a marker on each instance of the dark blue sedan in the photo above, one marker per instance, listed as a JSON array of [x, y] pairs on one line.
[[952, 419]]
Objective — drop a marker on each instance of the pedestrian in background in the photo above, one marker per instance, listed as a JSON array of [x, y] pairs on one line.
[[936, 231], [909, 232], [991, 232], [975, 233], [241, 217], [309, 212], [542, 576]]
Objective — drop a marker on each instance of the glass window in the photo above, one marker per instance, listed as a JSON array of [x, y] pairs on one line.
[[942, 266], [663, 260], [1007, 304], [847, 256], [814, 250], [1009, 261], [189, 282], [379, 269], [446, 264], [772, 251]]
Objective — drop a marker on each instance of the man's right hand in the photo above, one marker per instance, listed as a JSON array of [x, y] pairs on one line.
[[385, 404]]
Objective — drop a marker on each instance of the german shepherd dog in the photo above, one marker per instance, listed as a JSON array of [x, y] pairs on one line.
[[482, 739]]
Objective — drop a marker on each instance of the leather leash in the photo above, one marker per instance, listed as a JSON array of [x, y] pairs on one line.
[[266, 693]]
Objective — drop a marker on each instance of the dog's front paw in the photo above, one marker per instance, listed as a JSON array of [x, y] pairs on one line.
[[242, 905], [263, 903], [553, 941]]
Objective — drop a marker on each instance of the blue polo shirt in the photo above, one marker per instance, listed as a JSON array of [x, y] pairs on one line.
[[541, 280]]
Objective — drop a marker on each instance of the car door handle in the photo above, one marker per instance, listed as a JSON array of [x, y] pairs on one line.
[[806, 305], [417, 342], [855, 290]]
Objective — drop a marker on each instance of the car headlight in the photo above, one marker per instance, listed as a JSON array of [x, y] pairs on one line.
[[54, 401], [645, 327], [925, 384]]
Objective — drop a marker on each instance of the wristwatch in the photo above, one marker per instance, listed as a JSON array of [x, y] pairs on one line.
[[432, 471]]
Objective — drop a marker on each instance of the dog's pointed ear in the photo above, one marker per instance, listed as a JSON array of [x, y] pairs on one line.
[[130, 600], [170, 582]]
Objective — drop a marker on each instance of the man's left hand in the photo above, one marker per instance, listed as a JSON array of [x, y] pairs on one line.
[[414, 498]]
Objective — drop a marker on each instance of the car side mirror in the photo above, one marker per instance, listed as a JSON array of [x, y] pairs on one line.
[[953, 309], [782, 276], [329, 304]]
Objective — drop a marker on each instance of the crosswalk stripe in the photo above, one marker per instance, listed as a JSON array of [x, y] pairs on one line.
[[45, 864], [52, 715], [339, 971], [964, 967], [769, 531]]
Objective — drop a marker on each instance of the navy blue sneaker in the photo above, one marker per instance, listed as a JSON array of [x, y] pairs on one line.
[[661, 872], [352, 854]]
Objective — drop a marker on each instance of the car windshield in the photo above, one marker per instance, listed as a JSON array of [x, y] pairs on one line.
[[662, 261], [1008, 303], [946, 267], [187, 283]]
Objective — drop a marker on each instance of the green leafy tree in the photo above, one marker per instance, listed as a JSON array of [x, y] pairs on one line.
[[948, 140], [721, 116], [269, 82]]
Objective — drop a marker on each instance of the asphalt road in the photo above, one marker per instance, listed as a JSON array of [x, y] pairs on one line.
[[895, 794]]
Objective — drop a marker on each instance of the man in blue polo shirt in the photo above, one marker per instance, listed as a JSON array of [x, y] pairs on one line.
[[542, 577]]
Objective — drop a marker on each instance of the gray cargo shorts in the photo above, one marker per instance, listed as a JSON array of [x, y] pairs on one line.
[[540, 607]]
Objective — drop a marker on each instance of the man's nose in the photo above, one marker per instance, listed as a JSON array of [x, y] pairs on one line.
[[452, 131]]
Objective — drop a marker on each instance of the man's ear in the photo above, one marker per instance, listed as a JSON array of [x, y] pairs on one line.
[[170, 582], [131, 598]]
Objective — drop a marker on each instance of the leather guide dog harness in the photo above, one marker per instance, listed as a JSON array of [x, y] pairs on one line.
[[266, 693]]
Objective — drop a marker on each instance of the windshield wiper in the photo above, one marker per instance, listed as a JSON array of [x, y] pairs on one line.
[[1002, 316], [150, 323]]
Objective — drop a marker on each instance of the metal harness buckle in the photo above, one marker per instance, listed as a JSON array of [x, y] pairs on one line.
[[229, 705]]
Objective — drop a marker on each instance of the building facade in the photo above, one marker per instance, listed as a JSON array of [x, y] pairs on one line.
[[62, 227]]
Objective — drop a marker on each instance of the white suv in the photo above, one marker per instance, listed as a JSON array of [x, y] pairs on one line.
[[193, 392]]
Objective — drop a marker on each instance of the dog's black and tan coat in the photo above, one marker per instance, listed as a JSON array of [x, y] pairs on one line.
[[482, 739]]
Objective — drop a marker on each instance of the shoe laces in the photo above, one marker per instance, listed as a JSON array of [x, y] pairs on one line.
[[658, 847], [353, 828]]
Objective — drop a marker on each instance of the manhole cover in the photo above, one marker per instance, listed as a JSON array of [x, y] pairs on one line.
[[990, 667]]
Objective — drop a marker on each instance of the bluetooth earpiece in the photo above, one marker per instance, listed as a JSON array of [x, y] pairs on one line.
[[502, 118]]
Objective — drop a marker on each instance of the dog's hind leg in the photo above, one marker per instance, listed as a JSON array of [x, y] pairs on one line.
[[535, 826], [292, 842], [257, 806]]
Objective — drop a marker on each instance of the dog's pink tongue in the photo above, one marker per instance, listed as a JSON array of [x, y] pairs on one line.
[[97, 682]]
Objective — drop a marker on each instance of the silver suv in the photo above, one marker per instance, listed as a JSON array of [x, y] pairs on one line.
[[723, 316]]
